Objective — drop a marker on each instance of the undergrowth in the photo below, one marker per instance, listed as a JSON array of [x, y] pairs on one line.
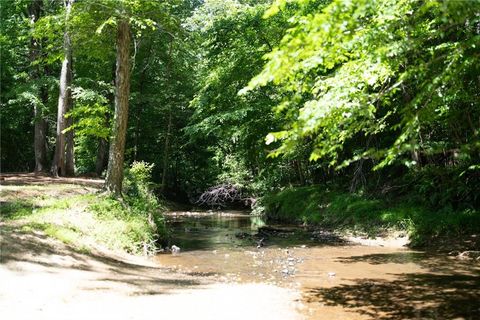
[[372, 215]]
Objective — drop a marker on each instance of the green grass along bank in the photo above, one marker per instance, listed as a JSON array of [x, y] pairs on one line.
[[330, 208], [88, 221]]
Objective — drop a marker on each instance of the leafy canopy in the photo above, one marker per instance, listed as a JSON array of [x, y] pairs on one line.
[[360, 70]]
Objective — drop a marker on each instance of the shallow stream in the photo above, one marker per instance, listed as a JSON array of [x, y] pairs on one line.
[[337, 279]]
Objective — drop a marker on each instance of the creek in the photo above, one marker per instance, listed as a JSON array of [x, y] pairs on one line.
[[337, 279]]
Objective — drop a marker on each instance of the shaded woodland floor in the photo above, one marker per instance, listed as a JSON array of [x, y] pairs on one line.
[[27, 178]]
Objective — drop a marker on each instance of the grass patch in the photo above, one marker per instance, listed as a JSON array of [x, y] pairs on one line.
[[16, 209], [88, 220], [333, 209], [68, 235], [295, 205], [124, 227]]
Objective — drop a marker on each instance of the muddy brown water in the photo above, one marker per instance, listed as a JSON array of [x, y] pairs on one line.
[[337, 279]]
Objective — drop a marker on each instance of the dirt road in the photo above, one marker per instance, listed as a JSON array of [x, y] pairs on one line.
[[43, 279]]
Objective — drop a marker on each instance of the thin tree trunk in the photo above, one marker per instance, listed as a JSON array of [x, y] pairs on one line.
[[169, 126], [40, 139], [113, 182], [64, 99], [301, 176], [40, 125], [138, 115], [165, 151], [102, 150], [101, 156], [69, 137]]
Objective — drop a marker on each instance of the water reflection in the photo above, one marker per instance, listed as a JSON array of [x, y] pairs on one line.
[[235, 229], [212, 230]]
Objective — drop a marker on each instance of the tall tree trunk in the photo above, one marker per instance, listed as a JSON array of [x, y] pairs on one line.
[[113, 182], [64, 99], [102, 150], [40, 136], [40, 125], [299, 167], [69, 141], [138, 115]]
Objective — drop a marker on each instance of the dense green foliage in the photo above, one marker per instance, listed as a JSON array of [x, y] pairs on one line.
[[379, 98], [388, 82]]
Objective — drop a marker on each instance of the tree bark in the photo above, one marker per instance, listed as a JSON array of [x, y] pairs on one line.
[[64, 99], [114, 179], [138, 115], [40, 140], [301, 176], [40, 125]]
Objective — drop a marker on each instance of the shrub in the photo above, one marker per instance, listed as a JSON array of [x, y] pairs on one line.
[[139, 196]]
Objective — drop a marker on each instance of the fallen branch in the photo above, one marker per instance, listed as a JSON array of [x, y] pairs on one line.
[[220, 195]]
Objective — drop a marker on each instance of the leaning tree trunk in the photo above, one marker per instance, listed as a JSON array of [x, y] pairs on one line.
[[113, 181], [40, 125], [64, 101]]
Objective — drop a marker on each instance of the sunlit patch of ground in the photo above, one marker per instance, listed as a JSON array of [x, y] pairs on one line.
[[44, 279]]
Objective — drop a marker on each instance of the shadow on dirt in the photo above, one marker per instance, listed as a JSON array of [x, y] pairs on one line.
[[23, 251], [434, 262], [413, 296], [43, 179]]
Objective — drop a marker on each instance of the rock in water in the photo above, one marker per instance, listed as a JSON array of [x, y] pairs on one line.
[[175, 249], [260, 243]]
